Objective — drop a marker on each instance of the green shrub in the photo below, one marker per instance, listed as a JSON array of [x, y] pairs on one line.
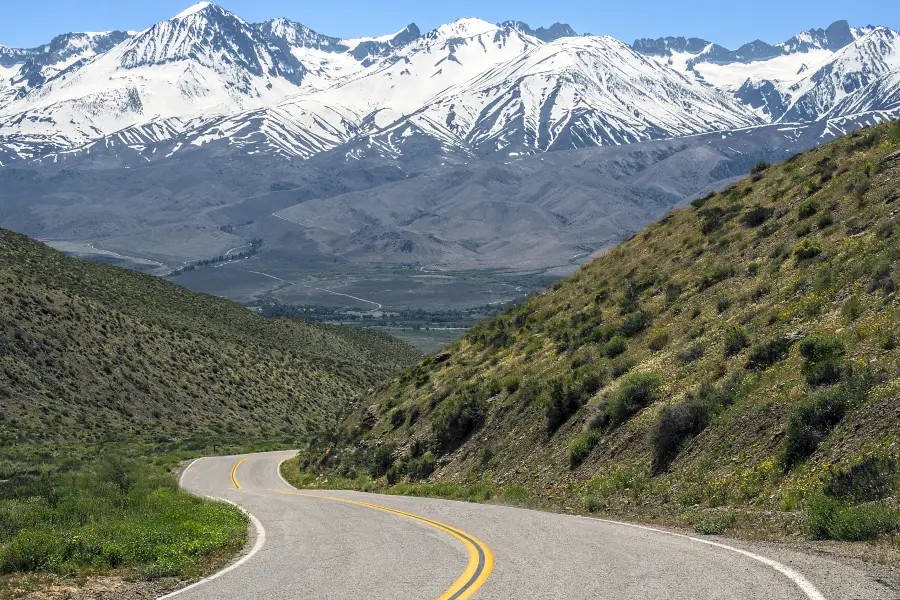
[[807, 249], [715, 274], [511, 383], [736, 339], [422, 467], [676, 424], [766, 354], [615, 347], [811, 420], [635, 323], [563, 400], [680, 422], [756, 215], [398, 417], [829, 518], [635, 391], [581, 447], [803, 229], [808, 208], [715, 525], [826, 220], [823, 359], [382, 459], [873, 478], [456, 419]]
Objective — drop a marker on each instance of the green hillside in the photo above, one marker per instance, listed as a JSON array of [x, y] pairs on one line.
[[90, 352], [742, 352], [109, 379]]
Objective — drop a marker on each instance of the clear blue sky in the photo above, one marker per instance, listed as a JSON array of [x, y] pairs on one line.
[[28, 23]]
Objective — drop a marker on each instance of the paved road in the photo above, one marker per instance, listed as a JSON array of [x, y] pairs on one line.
[[336, 545]]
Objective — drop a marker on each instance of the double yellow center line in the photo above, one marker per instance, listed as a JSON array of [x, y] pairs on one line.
[[481, 559]]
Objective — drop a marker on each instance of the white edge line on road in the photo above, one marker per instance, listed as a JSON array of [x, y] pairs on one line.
[[796, 578], [257, 545]]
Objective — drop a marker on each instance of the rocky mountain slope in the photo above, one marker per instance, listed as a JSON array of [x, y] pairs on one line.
[[742, 351], [95, 353]]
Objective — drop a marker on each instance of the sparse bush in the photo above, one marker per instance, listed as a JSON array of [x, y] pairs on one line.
[[658, 341], [760, 167], [511, 383], [823, 359], [456, 419], [422, 467], [398, 417], [811, 420], [676, 424], [808, 208], [736, 339], [826, 220], [581, 446], [715, 274], [766, 354], [382, 459], [690, 354], [756, 215], [871, 479], [807, 249], [563, 400], [715, 525], [635, 392], [635, 323], [615, 347], [830, 518]]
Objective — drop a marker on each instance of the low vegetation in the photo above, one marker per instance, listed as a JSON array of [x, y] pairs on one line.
[[109, 378], [714, 362]]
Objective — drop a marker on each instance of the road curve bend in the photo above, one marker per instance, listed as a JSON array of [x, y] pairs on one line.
[[342, 545]]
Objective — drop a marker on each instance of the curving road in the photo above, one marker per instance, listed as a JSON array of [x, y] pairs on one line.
[[336, 545]]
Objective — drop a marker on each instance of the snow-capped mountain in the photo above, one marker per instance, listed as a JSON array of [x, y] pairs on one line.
[[208, 78]]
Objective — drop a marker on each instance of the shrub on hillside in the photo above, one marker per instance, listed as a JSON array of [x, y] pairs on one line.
[[808, 208], [823, 359], [756, 215], [807, 249], [829, 518], [565, 396], [764, 355], [676, 424], [456, 419], [382, 460], [635, 391], [581, 446], [635, 323], [873, 478], [736, 339], [715, 274], [615, 347], [680, 422]]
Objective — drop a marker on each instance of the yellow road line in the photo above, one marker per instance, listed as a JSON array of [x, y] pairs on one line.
[[234, 469], [481, 559]]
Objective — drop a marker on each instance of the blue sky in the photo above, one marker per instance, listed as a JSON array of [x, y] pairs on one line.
[[33, 22]]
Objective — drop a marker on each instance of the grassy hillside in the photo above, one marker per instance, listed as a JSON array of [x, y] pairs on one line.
[[109, 378], [90, 352], [742, 352]]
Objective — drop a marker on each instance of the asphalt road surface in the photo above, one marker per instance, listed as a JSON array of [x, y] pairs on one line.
[[336, 545]]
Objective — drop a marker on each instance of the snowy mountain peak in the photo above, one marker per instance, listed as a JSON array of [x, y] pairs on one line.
[[463, 28], [191, 10]]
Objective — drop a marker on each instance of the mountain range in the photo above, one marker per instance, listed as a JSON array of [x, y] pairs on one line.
[[296, 116]]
